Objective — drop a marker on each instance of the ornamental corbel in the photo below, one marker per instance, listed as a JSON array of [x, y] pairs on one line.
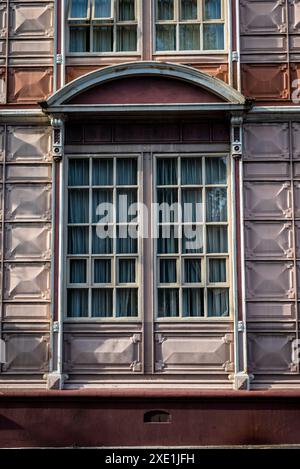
[[58, 130]]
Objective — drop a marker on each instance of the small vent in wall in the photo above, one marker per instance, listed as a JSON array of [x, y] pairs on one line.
[[157, 416]]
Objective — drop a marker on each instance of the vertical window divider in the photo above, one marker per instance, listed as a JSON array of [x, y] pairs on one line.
[[204, 255], [90, 266], [115, 232], [180, 228]]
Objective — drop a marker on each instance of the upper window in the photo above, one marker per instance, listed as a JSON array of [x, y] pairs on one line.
[[189, 25], [102, 26]]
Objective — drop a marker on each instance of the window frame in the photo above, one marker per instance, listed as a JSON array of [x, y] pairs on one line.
[[91, 23], [205, 284], [114, 257], [176, 21]]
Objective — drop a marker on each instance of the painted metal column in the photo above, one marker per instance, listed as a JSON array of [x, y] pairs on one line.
[[241, 378], [56, 377]]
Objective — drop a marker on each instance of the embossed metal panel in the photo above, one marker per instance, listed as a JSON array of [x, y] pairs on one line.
[[31, 173], [3, 20], [28, 85], [193, 353], [30, 48], [265, 171], [267, 200], [100, 353], [27, 281], [297, 236], [270, 280], [269, 82], [262, 16], [268, 240], [297, 199], [30, 311], [28, 143], [296, 139], [267, 141], [28, 202], [263, 44], [294, 15], [26, 353], [270, 311], [27, 241], [271, 352], [2, 132], [2, 86], [31, 19]]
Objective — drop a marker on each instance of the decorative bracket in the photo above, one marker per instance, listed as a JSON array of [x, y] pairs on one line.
[[55, 380], [58, 129], [241, 381], [237, 136]]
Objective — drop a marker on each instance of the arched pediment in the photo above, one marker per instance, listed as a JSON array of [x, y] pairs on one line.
[[144, 83]]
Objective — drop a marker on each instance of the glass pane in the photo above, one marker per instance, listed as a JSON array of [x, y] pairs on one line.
[[78, 206], [102, 303], [212, 9], [102, 9], [78, 240], [188, 9], [103, 39], [192, 302], [168, 205], [217, 239], [77, 271], [192, 205], [165, 9], [79, 9], [127, 302], [127, 271], [127, 172], [216, 204], [218, 302], [168, 302], [126, 10], [191, 171], [167, 270], [213, 36], [167, 172], [189, 37], [192, 239], [78, 172], [102, 271], [192, 270], [77, 303], [168, 240], [126, 38], [217, 270], [102, 240], [79, 39], [126, 208], [103, 210], [127, 240], [216, 170], [103, 172], [165, 37]]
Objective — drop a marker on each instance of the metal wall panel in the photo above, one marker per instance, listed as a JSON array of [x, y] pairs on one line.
[[269, 82], [269, 240], [26, 353], [262, 16], [270, 311], [267, 200], [27, 241], [193, 353], [103, 353], [27, 85], [266, 171], [31, 20], [27, 281], [26, 202], [271, 353], [266, 141], [28, 144]]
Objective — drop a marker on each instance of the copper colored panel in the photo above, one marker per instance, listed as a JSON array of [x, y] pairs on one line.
[[270, 280], [29, 311], [267, 141], [31, 20], [26, 353], [27, 281], [179, 353], [294, 15], [297, 199], [28, 202], [270, 311], [265, 82], [27, 241], [262, 16], [265, 171], [33, 173], [263, 44], [27, 143], [27, 85], [3, 20], [265, 200], [102, 353], [268, 240], [296, 139], [271, 353], [217, 71], [75, 72]]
